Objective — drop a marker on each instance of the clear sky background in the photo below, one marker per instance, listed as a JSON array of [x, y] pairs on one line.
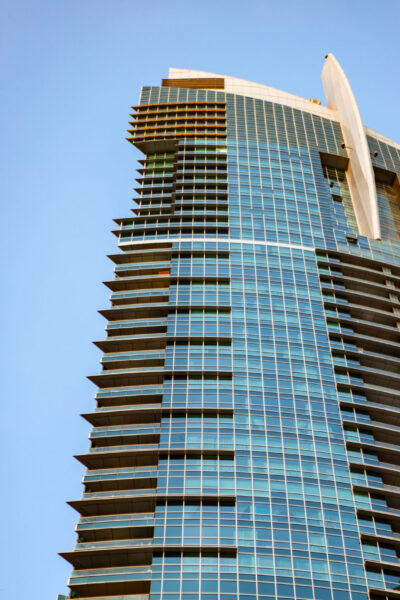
[[70, 69]]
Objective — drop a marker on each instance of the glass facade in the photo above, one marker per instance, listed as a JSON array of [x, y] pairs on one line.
[[245, 440]]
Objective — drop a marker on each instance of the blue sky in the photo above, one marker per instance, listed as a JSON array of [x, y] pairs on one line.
[[70, 69]]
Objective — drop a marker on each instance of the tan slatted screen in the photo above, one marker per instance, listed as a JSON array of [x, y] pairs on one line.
[[199, 83], [174, 121]]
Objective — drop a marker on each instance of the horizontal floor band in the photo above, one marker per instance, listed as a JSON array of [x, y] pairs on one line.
[[221, 240]]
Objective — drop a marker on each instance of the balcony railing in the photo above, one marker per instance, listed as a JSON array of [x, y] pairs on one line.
[[107, 521], [118, 494]]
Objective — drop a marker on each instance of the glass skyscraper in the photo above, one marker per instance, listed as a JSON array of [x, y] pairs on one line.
[[245, 442]]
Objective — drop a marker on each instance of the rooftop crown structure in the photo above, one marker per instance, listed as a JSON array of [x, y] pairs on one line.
[[245, 442]]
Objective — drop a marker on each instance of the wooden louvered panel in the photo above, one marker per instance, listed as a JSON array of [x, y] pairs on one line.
[[198, 83], [186, 120]]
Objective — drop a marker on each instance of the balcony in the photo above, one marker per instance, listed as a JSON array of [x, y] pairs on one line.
[[112, 544], [142, 266], [205, 202], [115, 505], [368, 328], [177, 221], [363, 285], [166, 229], [175, 234], [357, 300], [390, 493], [206, 211], [126, 395], [157, 195], [219, 168], [141, 447], [106, 522], [85, 576], [124, 581], [390, 514], [155, 375], [149, 208], [385, 453], [105, 436], [388, 537], [132, 555], [148, 254], [386, 469], [149, 185], [364, 440], [111, 495], [149, 310], [115, 475], [383, 316], [132, 430], [134, 356], [91, 507], [383, 431], [115, 328], [377, 394], [366, 342], [146, 413], [361, 270], [123, 415], [367, 358], [130, 342], [129, 377], [157, 294], [127, 455], [371, 375], [185, 181], [139, 282], [124, 360], [393, 566]]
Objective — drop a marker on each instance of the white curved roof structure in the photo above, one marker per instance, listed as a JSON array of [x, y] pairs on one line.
[[234, 85]]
